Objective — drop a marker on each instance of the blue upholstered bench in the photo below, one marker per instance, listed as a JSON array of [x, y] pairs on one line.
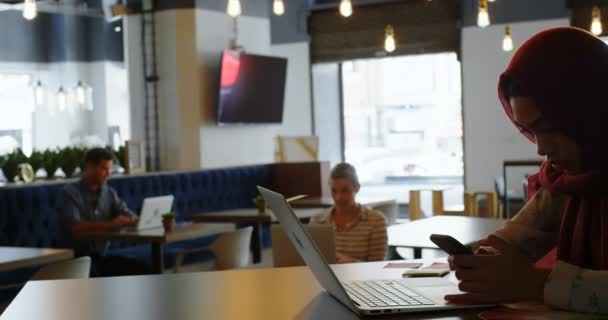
[[28, 217]]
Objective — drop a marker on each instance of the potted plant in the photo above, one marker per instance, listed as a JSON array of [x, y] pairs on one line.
[[120, 156], [169, 221], [51, 162], [79, 154], [36, 160], [70, 160], [260, 203], [11, 164]]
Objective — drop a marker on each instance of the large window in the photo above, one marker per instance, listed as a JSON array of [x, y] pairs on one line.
[[403, 123], [16, 107]]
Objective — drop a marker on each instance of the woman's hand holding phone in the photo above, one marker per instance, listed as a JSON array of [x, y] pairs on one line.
[[501, 274]]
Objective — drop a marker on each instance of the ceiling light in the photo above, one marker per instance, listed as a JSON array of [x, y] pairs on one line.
[[596, 21], [234, 8], [278, 7], [346, 8], [389, 42], [483, 17], [30, 9], [507, 41]]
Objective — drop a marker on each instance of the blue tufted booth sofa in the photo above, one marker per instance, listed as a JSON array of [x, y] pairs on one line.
[[28, 217]]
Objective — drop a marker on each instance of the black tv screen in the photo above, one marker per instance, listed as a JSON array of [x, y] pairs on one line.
[[252, 88]]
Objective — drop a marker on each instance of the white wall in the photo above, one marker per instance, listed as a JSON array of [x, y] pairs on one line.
[[233, 145], [297, 117], [189, 47], [489, 136]]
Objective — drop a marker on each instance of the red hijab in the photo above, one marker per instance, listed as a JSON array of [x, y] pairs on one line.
[[565, 71]]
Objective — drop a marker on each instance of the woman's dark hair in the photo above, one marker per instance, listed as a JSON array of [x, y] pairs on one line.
[[97, 155]]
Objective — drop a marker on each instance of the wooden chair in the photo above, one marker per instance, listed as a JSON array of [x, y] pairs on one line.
[[471, 205]]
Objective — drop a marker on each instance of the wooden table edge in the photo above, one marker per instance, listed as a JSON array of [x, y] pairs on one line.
[[60, 255]]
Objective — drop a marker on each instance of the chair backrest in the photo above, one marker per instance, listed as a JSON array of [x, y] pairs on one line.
[[231, 249], [79, 268], [285, 255]]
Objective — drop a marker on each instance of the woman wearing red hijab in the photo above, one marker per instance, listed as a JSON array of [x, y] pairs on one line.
[[555, 91]]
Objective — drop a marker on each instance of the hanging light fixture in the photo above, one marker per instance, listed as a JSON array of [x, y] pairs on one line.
[[346, 8], [507, 41], [389, 41], [62, 99], [278, 7], [30, 9], [39, 93], [483, 18], [83, 94], [234, 8], [596, 21]]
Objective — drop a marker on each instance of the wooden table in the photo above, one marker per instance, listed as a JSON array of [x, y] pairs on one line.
[[388, 206], [282, 293], [251, 215], [155, 237], [17, 257], [415, 234]]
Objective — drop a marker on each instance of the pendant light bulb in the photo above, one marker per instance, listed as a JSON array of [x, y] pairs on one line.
[[39, 93], [507, 41], [30, 9], [234, 8], [346, 8], [483, 17], [62, 99], [389, 41], [596, 21], [81, 94], [278, 7]]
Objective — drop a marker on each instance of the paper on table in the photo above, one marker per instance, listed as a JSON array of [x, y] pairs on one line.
[[438, 265], [403, 265]]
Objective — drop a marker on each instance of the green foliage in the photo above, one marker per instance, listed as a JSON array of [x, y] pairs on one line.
[[36, 160], [70, 159], [11, 164], [120, 155], [51, 163], [79, 153], [258, 199], [169, 215]]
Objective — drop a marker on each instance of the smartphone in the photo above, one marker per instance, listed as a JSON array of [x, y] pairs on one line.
[[450, 245]]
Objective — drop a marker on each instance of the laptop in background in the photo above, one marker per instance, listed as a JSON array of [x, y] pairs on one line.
[[285, 255], [372, 297], [151, 212]]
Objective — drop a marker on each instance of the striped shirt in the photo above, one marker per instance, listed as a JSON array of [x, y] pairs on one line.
[[364, 239]]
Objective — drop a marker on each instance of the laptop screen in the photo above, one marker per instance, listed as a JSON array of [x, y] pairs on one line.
[[305, 246]]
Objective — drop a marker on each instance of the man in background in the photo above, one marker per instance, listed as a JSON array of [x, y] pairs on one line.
[[90, 205]]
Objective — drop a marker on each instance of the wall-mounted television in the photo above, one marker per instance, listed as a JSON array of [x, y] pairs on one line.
[[252, 88]]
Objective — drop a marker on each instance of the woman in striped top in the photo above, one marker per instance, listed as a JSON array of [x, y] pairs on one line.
[[360, 232]]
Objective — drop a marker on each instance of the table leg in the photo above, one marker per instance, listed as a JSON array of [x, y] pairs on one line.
[[157, 258], [417, 253], [256, 243]]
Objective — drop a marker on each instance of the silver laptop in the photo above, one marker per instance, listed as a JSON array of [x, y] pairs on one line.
[[152, 211], [285, 255], [373, 297]]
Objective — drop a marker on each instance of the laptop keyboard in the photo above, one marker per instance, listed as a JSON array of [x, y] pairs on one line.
[[385, 294]]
